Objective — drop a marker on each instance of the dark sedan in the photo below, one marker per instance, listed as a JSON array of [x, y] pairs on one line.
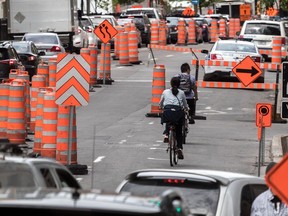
[[29, 55]]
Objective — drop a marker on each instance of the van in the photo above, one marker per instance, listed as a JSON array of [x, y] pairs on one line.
[[261, 32]]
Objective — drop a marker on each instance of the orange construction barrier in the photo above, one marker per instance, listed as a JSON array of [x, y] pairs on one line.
[[214, 31], [158, 86], [4, 102], [105, 64], [276, 50], [222, 28], [52, 68], [232, 31], [43, 69], [237, 25], [38, 81], [162, 33], [181, 37], [39, 121], [16, 124], [13, 73], [154, 32], [93, 65], [124, 49], [49, 125], [117, 42], [62, 145], [133, 47], [192, 32]]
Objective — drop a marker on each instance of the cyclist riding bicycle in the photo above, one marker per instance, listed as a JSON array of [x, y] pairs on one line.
[[173, 102]]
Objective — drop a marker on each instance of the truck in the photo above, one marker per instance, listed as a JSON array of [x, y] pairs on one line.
[[59, 16]]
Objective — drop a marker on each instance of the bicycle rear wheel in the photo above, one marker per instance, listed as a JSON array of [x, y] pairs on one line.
[[171, 144], [175, 149]]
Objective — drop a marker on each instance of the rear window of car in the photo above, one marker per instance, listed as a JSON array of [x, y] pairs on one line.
[[235, 47], [263, 28], [16, 175], [201, 196], [21, 47]]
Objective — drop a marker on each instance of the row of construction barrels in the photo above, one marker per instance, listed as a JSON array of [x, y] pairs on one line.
[[30, 108]]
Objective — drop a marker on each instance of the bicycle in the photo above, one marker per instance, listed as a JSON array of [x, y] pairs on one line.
[[172, 148]]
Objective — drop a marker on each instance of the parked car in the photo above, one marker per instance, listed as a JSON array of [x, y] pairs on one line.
[[29, 55], [208, 192], [204, 26], [47, 42], [9, 59], [261, 32], [23, 171], [142, 23], [47, 202], [87, 25], [80, 40], [230, 50], [98, 19]]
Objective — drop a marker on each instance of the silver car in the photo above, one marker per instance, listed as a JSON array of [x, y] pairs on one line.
[[208, 192], [46, 42], [230, 51]]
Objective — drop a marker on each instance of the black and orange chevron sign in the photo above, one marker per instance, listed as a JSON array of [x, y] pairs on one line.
[[72, 79]]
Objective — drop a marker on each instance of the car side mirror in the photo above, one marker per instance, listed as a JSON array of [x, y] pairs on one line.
[[204, 51]]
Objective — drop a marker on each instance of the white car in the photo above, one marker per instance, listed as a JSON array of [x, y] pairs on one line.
[[47, 43], [261, 32], [208, 192], [80, 40], [87, 25], [232, 50]]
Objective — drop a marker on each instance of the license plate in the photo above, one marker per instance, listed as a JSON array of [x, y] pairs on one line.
[[261, 42]]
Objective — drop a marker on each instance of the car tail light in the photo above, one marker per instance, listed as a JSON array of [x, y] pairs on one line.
[[256, 59], [283, 40], [241, 36], [204, 27], [89, 30], [55, 49], [175, 28], [12, 61], [174, 181], [31, 58], [216, 57], [79, 31]]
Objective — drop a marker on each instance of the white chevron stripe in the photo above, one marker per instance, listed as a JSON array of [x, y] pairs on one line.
[[69, 75], [72, 91], [79, 59]]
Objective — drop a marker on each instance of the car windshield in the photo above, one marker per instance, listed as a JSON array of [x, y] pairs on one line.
[[21, 47], [236, 47], [202, 197], [262, 28], [42, 39]]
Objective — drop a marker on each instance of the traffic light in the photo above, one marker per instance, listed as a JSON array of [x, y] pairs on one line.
[[285, 80]]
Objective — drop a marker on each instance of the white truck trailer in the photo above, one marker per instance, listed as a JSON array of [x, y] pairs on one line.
[[59, 16]]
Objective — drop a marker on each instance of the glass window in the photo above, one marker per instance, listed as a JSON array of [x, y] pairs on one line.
[[66, 179], [199, 195], [262, 28], [3, 54], [48, 178]]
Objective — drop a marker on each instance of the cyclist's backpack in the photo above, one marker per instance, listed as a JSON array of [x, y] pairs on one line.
[[185, 83]]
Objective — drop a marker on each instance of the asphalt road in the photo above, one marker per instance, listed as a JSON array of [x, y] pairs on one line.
[[114, 136]]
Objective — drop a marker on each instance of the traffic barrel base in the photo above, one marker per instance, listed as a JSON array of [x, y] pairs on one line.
[[136, 62], [107, 81]]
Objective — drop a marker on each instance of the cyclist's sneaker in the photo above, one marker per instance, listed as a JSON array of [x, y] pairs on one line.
[[166, 139], [180, 154]]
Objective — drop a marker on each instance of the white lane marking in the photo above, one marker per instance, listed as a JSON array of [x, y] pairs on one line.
[[230, 108], [156, 159], [79, 179], [151, 123], [154, 148], [122, 141], [208, 108], [169, 56], [159, 141], [99, 159]]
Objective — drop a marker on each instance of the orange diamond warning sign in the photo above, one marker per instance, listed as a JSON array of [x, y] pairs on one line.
[[105, 31], [247, 71]]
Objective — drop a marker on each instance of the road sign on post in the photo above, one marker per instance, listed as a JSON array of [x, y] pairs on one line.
[[105, 31], [247, 71], [284, 80], [263, 115], [277, 177]]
